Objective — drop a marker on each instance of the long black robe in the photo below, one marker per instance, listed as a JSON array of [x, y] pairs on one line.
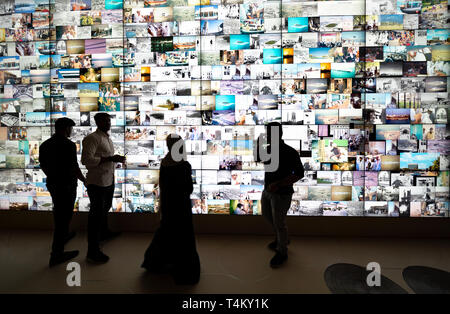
[[173, 248]]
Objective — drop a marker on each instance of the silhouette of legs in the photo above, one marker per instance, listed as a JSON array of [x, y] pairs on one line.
[[105, 233], [274, 208], [63, 198], [101, 201]]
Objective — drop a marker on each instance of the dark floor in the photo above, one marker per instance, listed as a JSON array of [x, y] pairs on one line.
[[230, 263]]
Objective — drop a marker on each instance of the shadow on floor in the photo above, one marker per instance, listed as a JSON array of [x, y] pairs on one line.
[[352, 279], [425, 280]]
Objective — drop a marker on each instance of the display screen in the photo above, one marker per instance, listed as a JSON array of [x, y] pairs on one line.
[[361, 88]]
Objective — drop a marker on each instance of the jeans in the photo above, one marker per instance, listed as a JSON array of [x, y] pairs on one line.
[[274, 208], [63, 197], [101, 201]]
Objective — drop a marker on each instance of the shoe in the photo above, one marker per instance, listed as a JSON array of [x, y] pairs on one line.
[[97, 257], [273, 245], [278, 260], [110, 235], [59, 258], [70, 236]]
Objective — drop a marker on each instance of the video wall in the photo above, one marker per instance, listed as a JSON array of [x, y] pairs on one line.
[[361, 88]]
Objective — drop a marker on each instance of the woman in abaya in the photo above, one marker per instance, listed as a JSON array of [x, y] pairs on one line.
[[173, 248]]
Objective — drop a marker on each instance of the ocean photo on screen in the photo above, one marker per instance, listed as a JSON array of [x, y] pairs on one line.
[[342, 70], [113, 4], [238, 42], [272, 56], [297, 24], [225, 102]]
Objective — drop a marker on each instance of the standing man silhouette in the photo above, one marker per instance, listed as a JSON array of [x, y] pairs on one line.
[[278, 181], [98, 157], [58, 160]]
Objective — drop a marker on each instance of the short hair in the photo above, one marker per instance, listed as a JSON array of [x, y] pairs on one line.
[[171, 139], [63, 123], [101, 115], [274, 124]]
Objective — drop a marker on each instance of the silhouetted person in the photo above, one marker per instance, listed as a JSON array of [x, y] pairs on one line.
[[277, 194], [98, 157], [173, 247], [58, 160]]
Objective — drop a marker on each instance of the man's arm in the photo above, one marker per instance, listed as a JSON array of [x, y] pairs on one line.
[[88, 157], [43, 160], [256, 155], [189, 184], [80, 175], [78, 172], [297, 173], [291, 179], [299, 170]]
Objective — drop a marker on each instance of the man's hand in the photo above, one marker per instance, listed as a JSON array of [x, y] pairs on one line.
[[118, 158], [115, 158]]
